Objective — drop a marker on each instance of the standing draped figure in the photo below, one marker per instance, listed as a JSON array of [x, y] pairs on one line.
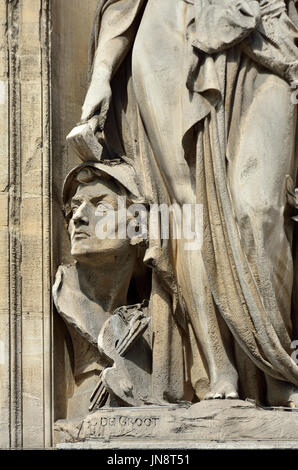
[[196, 94]]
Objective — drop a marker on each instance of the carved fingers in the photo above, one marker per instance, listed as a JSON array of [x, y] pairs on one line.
[[97, 101]]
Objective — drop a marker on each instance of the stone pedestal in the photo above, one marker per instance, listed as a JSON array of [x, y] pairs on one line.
[[208, 424]]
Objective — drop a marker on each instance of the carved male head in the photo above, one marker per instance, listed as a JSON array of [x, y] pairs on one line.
[[91, 196]]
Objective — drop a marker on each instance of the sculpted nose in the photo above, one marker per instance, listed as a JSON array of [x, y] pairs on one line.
[[80, 216]]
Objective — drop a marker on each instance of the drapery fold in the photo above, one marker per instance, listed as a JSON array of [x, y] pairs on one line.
[[222, 80]]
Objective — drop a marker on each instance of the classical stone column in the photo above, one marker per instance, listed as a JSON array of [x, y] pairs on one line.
[[25, 225]]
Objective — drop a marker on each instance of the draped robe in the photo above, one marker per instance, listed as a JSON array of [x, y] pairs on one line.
[[207, 118]]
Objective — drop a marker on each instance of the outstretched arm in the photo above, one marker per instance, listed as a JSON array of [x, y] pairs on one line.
[[119, 23]]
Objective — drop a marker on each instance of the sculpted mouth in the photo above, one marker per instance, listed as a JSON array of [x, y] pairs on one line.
[[81, 234]]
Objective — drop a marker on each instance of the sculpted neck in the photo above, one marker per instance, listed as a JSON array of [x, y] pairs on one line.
[[107, 281]]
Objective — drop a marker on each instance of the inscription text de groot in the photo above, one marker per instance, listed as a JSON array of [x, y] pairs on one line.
[[94, 427]]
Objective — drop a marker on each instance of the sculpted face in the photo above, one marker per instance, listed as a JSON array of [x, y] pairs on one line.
[[90, 203]]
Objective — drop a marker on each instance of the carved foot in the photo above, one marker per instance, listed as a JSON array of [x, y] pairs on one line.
[[223, 388], [293, 398], [281, 394]]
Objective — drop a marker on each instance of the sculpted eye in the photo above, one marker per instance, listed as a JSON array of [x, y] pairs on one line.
[[103, 208], [73, 209]]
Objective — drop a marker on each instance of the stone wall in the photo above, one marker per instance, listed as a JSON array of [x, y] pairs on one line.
[[71, 26], [32, 78], [25, 241]]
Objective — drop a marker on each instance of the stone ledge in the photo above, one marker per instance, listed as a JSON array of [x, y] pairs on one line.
[[185, 445], [216, 424]]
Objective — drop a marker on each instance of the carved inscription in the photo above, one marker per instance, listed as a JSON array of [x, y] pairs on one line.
[[97, 426]]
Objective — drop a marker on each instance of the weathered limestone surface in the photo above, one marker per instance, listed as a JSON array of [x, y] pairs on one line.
[[25, 236], [203, 113], [71, 26], [204, 425], [195, 97]]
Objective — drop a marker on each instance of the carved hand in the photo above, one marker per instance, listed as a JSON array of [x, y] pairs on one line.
[[97, 102]]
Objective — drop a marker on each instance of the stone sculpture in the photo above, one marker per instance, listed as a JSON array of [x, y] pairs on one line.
[[91, 294], [196, 96]]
